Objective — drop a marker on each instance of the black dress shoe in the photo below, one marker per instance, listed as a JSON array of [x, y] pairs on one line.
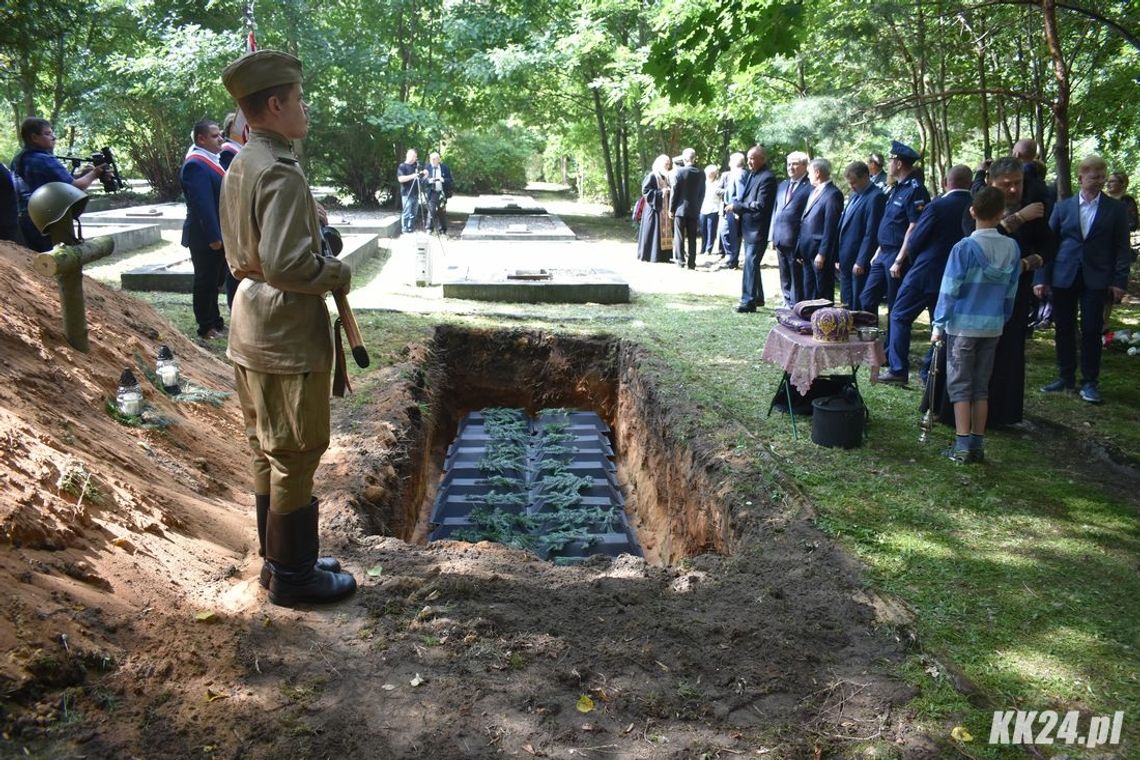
[[742, 309]]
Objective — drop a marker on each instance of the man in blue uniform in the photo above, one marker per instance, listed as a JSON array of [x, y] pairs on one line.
[[35, 165], [858, 232], [201, 178], [904, 205], [937, 231]]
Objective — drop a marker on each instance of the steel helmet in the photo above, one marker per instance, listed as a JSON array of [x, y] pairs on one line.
[[55, 202]]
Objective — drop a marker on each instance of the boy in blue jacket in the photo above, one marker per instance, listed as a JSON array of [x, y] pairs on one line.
[[974, 302]]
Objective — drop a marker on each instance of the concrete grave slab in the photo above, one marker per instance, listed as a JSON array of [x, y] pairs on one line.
[[176, 274], [481, 283], [170, 216], [127, 237], [514, 227], [511, 205]]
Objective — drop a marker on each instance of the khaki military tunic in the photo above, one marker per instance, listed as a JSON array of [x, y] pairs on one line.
[[280, 323], [280, 335]]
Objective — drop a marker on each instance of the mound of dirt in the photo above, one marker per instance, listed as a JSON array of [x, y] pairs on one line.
[[133, 619]]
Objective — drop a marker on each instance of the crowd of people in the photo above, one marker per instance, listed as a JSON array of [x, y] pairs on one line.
[[995, 243]]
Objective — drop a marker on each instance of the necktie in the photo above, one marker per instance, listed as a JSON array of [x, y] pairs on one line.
[[791, 189]]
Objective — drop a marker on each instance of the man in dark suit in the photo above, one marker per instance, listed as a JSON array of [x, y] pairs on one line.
[[685, 205], [818, 242], [858, 230], [753, 207], [939, 227], [791, 197], [201, 177], [440, 187], [878, 174], [729, 232], [1091, 267]]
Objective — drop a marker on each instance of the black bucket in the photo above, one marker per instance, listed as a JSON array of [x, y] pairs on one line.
[[837, 421]]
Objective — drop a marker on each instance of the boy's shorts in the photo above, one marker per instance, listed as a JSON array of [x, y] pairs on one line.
[[969, 364]]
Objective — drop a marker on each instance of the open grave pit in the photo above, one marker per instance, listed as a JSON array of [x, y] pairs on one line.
[[671, 503]]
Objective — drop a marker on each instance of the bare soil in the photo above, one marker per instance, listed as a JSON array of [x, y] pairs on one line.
[[134, 625]]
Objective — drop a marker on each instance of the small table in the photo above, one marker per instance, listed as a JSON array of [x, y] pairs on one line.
[[804, 359]]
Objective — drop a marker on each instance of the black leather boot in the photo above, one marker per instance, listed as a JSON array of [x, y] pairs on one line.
[[262, 503], [291, 548]]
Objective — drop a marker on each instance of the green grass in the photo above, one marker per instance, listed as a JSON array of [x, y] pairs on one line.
[[1021, 573]]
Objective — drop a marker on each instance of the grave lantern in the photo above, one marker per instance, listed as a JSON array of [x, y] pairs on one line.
[[166, 367], [129, 397]]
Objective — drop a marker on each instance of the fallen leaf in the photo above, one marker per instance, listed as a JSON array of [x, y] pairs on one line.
[[388, 687], [417, 680], [628, 729], [212, 695], [960, 734], [375, 571], [125, 544], [585, 704], [205, 616], [528, 749]]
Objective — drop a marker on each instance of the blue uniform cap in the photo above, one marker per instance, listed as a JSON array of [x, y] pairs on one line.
[[905, 152]]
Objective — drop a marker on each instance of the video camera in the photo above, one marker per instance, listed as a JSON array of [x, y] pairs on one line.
[[111, 179]]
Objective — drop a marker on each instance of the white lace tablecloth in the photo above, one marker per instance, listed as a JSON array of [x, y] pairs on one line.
[[804, 358]]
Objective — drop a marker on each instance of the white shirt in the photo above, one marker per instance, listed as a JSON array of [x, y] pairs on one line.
[[1087, 210]]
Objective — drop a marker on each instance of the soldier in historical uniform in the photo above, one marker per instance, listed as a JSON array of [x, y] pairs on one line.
[[906, 201], [280, 338]]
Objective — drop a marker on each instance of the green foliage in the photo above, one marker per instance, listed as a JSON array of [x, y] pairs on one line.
[[694, 37], [491, 159], [588, 92], [158, 90]]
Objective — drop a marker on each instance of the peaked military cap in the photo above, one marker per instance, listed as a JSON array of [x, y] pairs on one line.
[[260, 70], [903, 151]]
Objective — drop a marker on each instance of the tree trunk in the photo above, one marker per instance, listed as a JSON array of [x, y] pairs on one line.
[[623, 167], [59, 73], [1061, 104], [600, 114], [987, 142]]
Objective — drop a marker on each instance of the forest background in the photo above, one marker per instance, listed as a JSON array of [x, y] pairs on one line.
[[587, 92]]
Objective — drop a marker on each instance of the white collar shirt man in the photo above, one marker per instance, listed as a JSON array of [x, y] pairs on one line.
[[1087, 209]]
